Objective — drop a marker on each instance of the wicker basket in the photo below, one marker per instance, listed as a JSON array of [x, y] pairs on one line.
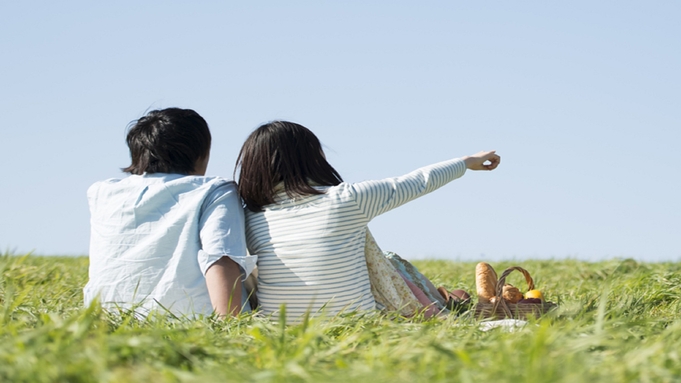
[[503, 310]]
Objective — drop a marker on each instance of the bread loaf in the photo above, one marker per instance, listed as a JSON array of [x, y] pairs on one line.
[[511, 294], [485, 282]]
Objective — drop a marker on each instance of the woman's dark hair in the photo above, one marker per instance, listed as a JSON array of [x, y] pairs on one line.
[[282, 151], [170, 140]]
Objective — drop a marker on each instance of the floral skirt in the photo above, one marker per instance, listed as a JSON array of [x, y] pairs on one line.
[[397, 285]]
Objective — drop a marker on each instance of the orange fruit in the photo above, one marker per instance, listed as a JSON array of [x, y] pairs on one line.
[[534, 294]]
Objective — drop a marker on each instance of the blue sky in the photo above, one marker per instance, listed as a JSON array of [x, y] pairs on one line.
[[581, 99]]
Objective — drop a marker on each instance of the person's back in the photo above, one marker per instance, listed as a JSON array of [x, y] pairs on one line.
[[161, 236], [311, 253], [145, 249], [308, 228]]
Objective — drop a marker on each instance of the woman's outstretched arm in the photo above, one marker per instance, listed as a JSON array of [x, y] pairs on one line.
[[377, 197]]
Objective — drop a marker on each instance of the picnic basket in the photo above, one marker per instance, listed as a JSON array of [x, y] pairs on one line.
[[501, 309]]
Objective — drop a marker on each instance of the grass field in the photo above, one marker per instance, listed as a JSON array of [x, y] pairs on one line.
[[618, 321]]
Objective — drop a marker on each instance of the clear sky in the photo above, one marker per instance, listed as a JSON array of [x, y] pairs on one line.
[[582, 100]]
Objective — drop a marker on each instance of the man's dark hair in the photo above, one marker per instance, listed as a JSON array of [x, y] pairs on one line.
[[277, 152], [168, 141]]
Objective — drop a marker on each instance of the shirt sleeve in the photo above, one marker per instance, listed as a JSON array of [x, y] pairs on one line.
[[377, 197], [222, 230]]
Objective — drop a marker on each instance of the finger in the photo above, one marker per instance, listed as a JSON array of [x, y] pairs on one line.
[[489, 156], [495, 160]]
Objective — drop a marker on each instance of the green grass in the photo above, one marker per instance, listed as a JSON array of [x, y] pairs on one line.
[[618, 321]]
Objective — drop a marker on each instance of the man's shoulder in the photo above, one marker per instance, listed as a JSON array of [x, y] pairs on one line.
[[152, 184], [216, 180], [212, 184], [104, 184], [220, 189]]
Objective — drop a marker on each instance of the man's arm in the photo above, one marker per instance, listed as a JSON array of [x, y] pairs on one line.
[[223, 279], [223, 256]]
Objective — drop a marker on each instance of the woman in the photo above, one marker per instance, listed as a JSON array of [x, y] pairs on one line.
[[309, 228]]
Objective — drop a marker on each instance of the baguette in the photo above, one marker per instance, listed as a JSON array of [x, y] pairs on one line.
[[485, 282]]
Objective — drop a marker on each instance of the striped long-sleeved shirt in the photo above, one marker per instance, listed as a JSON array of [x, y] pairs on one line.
[[311, 249]]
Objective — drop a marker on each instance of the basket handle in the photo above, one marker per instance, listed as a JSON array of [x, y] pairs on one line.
[[502, 281]]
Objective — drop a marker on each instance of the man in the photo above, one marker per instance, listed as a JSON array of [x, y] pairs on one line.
[[167, 237]]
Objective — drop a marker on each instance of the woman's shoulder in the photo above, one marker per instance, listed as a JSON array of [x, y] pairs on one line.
[[342, 191]]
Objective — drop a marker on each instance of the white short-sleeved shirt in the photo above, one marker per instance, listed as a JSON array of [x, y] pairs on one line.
[[154, 236]]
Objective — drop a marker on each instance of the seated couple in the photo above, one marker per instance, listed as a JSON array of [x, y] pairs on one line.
[[168, 238]]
